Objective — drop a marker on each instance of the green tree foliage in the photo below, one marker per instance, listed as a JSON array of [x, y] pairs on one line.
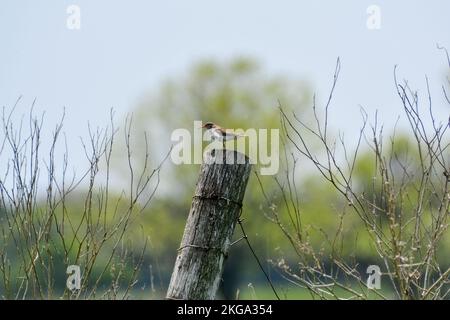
[[239, 94], [236, 94]]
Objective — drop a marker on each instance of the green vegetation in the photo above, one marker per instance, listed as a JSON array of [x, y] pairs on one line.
[[317, 225]]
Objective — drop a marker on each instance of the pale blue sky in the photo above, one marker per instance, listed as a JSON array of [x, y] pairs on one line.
[[125, 48]]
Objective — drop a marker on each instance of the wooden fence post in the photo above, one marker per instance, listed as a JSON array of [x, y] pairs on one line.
[[215, 209]]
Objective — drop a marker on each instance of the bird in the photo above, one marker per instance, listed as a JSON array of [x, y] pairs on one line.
[[219, 133]]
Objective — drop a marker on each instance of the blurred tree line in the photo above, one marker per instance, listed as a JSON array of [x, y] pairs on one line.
[[239, 94], [234, 94]]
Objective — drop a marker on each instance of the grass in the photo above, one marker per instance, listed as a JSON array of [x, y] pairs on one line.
[[257, 292]]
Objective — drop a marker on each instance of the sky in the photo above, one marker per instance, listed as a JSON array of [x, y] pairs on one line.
[[124, 49]]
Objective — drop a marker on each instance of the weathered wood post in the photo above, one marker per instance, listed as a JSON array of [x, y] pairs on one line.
[[215, 209]]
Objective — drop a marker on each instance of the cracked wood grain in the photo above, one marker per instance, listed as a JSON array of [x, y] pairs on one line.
[[215, 209]]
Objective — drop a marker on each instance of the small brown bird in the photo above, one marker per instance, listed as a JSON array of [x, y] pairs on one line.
[[219, 133]]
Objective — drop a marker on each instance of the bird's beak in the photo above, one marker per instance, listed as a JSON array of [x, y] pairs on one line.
[[203, 126]]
